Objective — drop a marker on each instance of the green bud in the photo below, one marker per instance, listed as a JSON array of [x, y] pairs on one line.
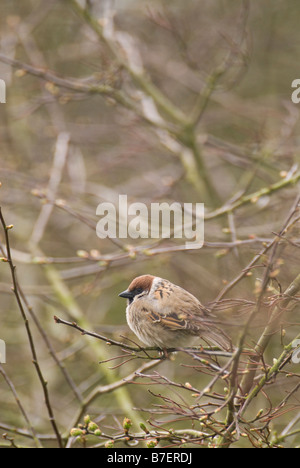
[[152, 443], [109, 444], [127, 423], [143, 427], [75, 432], [82, 254], [92, 427], [87, 419], [221, 253]]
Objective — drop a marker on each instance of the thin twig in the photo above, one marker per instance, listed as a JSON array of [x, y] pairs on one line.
[[137, 349], [29, 334], [34, 435]]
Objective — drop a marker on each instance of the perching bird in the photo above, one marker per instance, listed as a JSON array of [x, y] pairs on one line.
[[164, 315]]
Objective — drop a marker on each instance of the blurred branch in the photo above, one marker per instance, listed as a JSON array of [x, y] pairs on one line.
[[105, 32], [71, 84], [235, 53], [124, 51], [26, 433], [147, 251], [60, 156], [16, 291], [254, 197], [35, 437], [240, 390], [46, 339], [104, 389], [270, 329], [277, 364], [63, 205]]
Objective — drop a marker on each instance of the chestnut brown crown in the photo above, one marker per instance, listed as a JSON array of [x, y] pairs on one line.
[[138, 286]]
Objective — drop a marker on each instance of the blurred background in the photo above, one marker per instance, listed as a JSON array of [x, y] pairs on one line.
[[161, 101]]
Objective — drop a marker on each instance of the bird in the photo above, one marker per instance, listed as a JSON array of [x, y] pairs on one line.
[[164, 315]]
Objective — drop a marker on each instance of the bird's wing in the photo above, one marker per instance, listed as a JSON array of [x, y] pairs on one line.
[[188, 315]]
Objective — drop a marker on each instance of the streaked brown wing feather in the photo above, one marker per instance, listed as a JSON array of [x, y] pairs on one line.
[[194, 325], [171, 321], [181, 321]]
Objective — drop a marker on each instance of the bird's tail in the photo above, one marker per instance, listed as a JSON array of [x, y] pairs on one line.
[[218, 337]]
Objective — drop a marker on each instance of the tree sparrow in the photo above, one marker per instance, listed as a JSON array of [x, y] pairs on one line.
[[164, 315]]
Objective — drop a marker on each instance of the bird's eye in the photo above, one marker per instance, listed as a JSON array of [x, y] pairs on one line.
[[138, 290]]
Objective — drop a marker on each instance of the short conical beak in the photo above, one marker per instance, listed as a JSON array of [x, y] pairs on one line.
[[126, 294]]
